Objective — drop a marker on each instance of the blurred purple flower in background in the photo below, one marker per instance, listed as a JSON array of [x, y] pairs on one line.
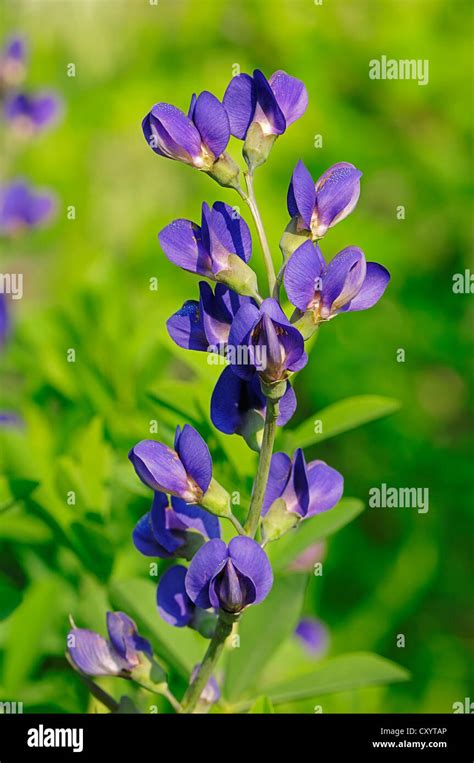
[[24, 207], [313, 635], [31, 114], [12, 62]]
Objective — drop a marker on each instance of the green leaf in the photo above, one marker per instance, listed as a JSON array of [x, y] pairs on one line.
[[93, 547], [180, 648], [262, 706], [262, 630], [10, 598], [313, 530], [27, 626], [13, 491], [349, 671], [339, 417]]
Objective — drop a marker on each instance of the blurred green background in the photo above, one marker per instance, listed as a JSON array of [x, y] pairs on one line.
[[87, 288]]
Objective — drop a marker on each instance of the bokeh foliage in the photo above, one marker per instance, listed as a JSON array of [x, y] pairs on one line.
[[87, 287]]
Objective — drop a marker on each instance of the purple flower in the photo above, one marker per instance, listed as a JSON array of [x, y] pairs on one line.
[[273, 104], [306, 489], [205, 325], [348, 283], [30, 114], [184, 472], [318, 206], [197, 139], [174, 604], [95, 656], [263, 339], [306, 560], [9, 419], [13, 61], [238, 405], [219, 248], [165, 530], [313, 635], [23, 207], [5, 322], [211, 692], [229, 577]]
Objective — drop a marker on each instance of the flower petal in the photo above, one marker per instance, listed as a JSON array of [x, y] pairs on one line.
[[124, 637], [268, 113], [195, 456], [171, 133], [343, 279], [174, 604], [291, 95], [195, 518], [225, 402], [186, 329], [210, 118], [182, 243], [164, 529], [301, 272], [217, 311], [251, 560], [287, 406], [297, 491], [326, 486], [337, 193], [244, 322], [301, 198], [280, 469], [229, 233], [313, 634], [208, 561], [374, 285], [145, 541], [239, 101], [93, 655], [159, 467]]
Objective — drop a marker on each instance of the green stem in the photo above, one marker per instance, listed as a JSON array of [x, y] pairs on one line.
[[251, 525], [162, 690], [251, 201], [214, 651], [232, 518]]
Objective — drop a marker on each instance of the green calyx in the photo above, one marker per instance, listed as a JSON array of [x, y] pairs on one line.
[[257, 146], [278, 521]]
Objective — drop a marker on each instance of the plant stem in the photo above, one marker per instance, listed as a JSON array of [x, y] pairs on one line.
[[214, 651], [232, 518], [251, 201], [251, 525]]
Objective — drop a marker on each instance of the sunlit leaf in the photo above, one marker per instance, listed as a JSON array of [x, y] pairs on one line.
[[262, 629], [313, 530], [349, 671], [337, 418]]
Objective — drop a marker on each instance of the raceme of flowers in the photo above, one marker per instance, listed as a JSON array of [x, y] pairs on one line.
[[209, 582]]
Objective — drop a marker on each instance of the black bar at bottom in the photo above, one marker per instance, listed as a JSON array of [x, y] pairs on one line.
[[149, 737]]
